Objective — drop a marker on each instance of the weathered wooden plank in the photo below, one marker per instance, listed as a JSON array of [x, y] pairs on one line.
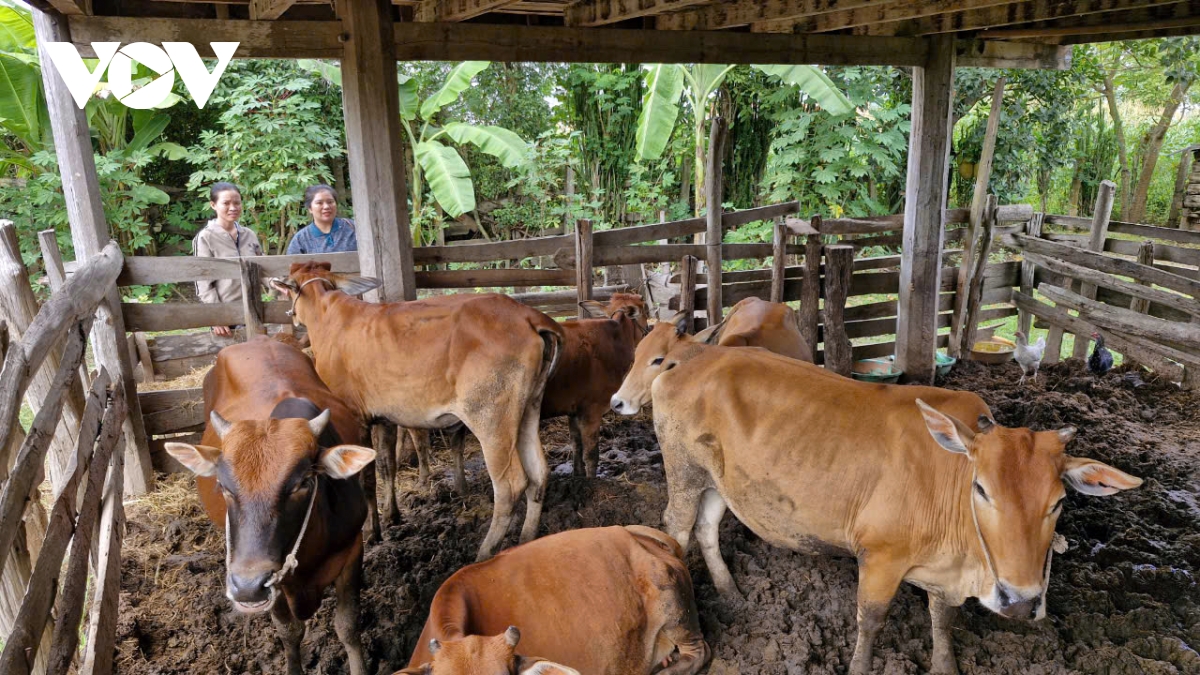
[[456, 10], [1098, 17], [967, 308], [839, 260], [252, 302], [924, 205], [258, 39], [1005, 15], [267, 10], [497, 250], [714, 190], [1145, 256], [1028, 269], [779, 260], [1098, 232], [1109, 264], [583, 267], [173, 410], [494, 278], [1144, 293], [1124, 320], [879, 12], [1162, 252], [90, 235], [35, 611], [1167, 233], [183, 315], [374, 142], [102, 619], [600, 12], [687, 291]]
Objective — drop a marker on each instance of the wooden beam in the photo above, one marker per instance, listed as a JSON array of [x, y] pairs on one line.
[[258, 39], [1023, 55], [371, 102], [1148, 34], [924, 206], [269, 10], [874, 13], [1017, 13], [90, 234], [747, 12], [456, 10], [1177, 15], [598, 12], [72, 7]]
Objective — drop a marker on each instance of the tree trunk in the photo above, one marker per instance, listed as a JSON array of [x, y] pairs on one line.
[[1151, 146], [1110, 95], [1076, 191]]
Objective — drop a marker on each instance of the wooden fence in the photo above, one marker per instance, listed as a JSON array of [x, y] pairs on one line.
[[45, 605]]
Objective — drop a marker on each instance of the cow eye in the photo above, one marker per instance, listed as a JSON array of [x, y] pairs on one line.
[[657, 362], [981, 492]]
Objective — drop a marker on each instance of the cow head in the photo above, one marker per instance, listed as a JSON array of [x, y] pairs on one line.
[[620, 306], [268, 472], [320, 274], [650, 361], [477, 655], [1016, 495]]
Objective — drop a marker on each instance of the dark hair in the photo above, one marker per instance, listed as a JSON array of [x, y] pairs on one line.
[[217, 188], [311, 193]]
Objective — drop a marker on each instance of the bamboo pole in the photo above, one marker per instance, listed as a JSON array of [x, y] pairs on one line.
[[714, 193]]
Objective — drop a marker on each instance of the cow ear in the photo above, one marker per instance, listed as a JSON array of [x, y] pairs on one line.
[[355, 285], [594, 309], [680, 322], [343, 461], [1097, 478], [199, 459], [710, 335], [285, 286], [633, 311], [949, 432], [535, 666]]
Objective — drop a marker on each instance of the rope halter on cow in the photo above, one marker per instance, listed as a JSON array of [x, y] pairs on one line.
[[296, 293], [290, 562]]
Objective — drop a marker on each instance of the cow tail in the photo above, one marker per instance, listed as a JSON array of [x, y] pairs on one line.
[[551, 352], [658, 537]]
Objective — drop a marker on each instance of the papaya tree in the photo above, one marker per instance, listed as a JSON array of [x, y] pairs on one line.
[[667, 83], [436, 162]]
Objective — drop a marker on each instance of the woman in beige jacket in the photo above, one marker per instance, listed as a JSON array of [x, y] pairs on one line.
[[223, 237]]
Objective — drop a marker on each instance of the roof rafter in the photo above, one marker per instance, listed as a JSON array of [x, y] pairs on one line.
[[1025, 12], [1112, 23], [457, 10], [871, 14], [599, 12], [261, 10], [746, 12], [72, 7]]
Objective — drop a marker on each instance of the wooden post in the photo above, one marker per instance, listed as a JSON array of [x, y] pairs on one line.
[[102, 617], [252, 304], [687, 291], [714, 192], [1028, 270], [18, 306], [56, 273], [569, 192], [973, 290], [583, 263], [1099, 231], [89, 233], [1145, 256], [924, 212], [810, 292], [975, 228], [1181, 181], [778, 260], [839, 265], [370, 96]]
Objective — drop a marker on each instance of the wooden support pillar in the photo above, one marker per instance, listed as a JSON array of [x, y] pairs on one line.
[[687, 291], [810, 291], [979, 197], [778, 260], [371, 98], [964, 339], [714, 192], [1145, 256], [583, 264], [1099, 231], [924, 212], [252, 304], [1028, 270], [839, 266], [89, 234]]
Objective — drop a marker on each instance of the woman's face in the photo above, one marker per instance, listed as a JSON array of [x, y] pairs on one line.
[[228, 206], [323, 207]]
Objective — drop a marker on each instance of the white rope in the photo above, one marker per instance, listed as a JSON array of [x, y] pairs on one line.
[[291, 562], [292, 311]]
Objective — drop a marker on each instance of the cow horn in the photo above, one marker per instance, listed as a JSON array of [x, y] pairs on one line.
[[512, 636], [1066, 434], [220, 424], [317, 424]]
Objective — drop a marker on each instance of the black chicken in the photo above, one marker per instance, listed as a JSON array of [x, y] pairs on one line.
[[1101, 359]]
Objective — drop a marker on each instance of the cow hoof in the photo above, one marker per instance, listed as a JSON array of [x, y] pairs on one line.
[[944, 664]]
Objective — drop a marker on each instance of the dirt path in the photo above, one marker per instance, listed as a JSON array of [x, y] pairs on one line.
[[1123, 599]]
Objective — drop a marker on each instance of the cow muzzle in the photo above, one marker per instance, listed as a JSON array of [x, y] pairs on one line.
[[1024, 605], [249, 590], [624, 407]]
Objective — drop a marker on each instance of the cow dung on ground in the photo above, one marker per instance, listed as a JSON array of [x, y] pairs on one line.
[[1123, 599]]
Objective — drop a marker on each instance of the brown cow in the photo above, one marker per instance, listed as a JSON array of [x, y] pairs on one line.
[[918, 483], [754, 322], [595, 357], [600, 601], [272, 472], [482, 361]]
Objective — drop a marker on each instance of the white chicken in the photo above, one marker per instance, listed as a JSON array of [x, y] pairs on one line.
[[1029, 356]]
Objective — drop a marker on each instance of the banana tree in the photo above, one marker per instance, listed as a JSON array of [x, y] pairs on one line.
[[23, 113], [435, 163], [666, 83]]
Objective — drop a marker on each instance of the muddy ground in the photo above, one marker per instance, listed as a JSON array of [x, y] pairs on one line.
[[1123, 598]]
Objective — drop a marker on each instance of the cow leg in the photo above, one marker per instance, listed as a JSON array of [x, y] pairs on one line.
[[577, 441], [877, 584], [371, 524], [708, 525], [537, 471], [345, 621], [589, 446], [942, 617], [508, 481], [291, 631], [383, 439], [458, 439], [420, 441]]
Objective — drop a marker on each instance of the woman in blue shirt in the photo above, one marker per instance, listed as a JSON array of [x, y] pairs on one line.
[[326, 233]]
